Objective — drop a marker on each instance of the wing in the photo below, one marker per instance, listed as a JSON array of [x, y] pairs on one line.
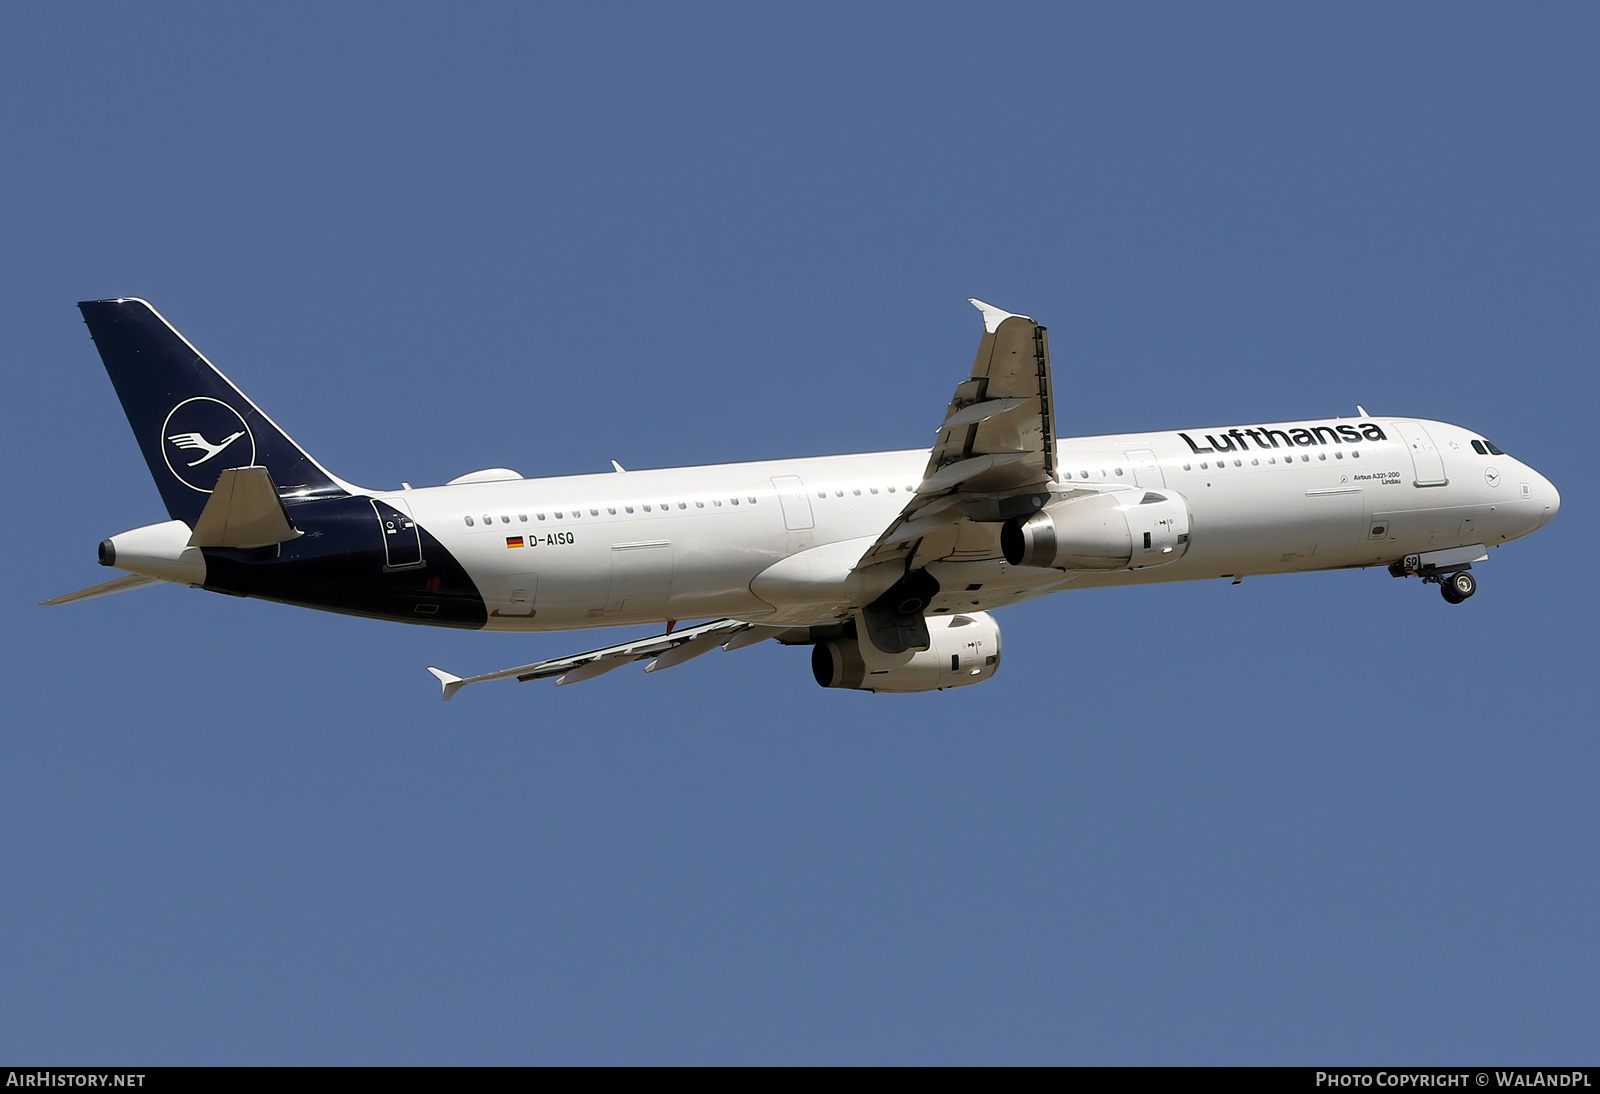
[[665, 649], [995, 455]]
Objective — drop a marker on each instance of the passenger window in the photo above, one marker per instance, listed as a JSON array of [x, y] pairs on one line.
[[627, 508], [612, 509], [1338, 455], [487, 519], [539, 515], [523, 517], [681, 505], [1188, 467], [1354, 455], [1254, 462], [734, 500], [1322, 456], [699, 505], [752, 501], [717, 502], [559, 514], [874, 489], [594, 512], [647, 508], [469, 522], [891, 489], [856, 491], [505, 518], [1203, 465]]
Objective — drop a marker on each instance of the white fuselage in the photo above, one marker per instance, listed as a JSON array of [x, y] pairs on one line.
[[690, 543]]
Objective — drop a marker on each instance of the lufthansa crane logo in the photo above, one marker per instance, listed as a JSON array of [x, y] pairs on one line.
[[201, 438]]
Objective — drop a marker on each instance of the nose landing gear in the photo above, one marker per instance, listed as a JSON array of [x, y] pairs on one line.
[[1455, 584], [1458, 586]]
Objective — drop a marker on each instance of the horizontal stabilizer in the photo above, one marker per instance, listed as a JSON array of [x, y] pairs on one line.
[[243, 511], [105, 588]]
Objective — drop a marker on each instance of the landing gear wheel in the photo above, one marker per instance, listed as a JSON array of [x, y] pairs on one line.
[[1458, 586]]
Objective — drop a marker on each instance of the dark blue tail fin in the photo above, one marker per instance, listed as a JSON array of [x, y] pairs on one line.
[[190, 421]]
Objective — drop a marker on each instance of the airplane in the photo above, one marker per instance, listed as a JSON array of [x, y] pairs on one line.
[[888, 565]]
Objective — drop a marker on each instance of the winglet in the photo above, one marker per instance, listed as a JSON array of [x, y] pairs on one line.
[[993, 316], [448, 682]]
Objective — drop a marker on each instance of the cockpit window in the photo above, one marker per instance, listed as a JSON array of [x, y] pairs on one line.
[[1477, 446], [1493, 451]]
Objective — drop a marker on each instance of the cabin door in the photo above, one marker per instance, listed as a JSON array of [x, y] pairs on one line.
[[1425, 458], [796, 506], [402, 543], [1146, 468]]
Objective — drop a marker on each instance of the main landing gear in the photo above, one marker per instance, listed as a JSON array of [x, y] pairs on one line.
[[1455, 584]]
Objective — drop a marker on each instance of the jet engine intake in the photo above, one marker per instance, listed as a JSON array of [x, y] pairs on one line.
[[1117, 530], [963, 649]]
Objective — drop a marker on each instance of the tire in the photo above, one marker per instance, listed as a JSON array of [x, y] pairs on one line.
[[1448, 591], [1462, 583]]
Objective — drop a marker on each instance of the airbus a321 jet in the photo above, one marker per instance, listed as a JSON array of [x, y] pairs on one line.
[[887, 564]]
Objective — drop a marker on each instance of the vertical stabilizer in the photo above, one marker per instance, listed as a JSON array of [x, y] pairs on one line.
[[190, 421]]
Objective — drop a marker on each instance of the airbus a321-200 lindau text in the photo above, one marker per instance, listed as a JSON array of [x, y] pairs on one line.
[[887, 564]]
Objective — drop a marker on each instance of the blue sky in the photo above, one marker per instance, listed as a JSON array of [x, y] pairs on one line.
[[1310, 819]]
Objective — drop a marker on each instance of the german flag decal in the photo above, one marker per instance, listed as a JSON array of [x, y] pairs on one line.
[[514, 541]]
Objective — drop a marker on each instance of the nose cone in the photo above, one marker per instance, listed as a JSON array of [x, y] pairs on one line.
[[1552, 499]]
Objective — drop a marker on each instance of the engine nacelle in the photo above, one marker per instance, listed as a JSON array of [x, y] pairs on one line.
[[964, 649], [156, 550], [1117, 530]]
